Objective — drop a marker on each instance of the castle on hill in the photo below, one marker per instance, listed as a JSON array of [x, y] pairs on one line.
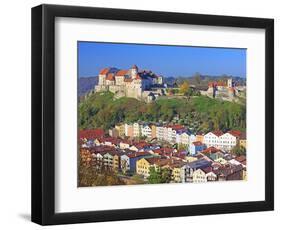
[[142, 85], [221, 88]]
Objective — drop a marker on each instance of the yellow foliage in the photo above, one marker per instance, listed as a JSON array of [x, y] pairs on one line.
[[184, 87]]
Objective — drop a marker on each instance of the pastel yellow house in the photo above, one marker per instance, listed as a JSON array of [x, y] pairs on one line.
[[243, 143], [153, 131], [142, 167], [178, 172], [116, 162], [121, 129], [199, 137]]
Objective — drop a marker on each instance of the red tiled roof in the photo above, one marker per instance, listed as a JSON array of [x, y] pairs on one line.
[[91, 133], [177, 127], [110, 77], [141, 144], [152, 160], [104, 71], [213, 84], [137, 154], [217, 133], [235, 133], [122, 72], [163, 151], [210, 150], [128, 79]]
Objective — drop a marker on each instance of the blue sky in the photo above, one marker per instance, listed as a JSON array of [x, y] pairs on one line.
[[165, 60]]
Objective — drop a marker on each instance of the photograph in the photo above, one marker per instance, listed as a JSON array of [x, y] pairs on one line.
[[156, 114]]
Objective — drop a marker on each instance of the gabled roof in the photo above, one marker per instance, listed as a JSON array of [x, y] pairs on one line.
[[217, 133], [235, 133], [122, 72], [104, 71], [91, 133], [211, 150], [152, 160], [138, 154]]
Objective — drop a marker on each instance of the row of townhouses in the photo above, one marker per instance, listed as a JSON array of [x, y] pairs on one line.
[[180, 135]]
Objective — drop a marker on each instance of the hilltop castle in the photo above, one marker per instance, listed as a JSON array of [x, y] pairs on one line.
[[130, 83], [222, 88]]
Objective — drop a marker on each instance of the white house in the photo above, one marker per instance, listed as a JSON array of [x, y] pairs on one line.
[[182, 138], [146, 131], [108, 160], [160, 132], [212, 139], [228, 140]]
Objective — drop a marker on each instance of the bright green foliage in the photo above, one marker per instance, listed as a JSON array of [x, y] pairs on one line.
[[200, 113], [157, 176]]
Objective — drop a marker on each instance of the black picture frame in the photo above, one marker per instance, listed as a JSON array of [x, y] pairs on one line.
[[43, 114]]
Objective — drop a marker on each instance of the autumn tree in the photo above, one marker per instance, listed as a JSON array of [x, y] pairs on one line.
[[184, 87]]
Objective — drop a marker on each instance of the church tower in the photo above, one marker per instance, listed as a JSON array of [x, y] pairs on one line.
[[134, 71]]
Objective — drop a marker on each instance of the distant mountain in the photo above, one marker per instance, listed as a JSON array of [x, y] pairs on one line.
[[85, 84]]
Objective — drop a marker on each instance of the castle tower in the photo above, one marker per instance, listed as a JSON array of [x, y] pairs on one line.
[[229, 83], [134, 71]]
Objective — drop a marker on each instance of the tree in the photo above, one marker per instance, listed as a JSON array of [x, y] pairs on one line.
[[184, 87], [197, 78], [159, 175], [238, 150], [91, 176], [154, 176]]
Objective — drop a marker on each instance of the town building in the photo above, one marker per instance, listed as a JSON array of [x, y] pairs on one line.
[[195, 147], [129, 130], [146, 131], [191, 167], [121, 129]]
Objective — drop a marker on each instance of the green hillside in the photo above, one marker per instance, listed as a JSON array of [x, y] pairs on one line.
[[199, 113]]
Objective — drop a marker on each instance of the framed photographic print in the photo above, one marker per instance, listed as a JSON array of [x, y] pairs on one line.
[[143, 114]]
